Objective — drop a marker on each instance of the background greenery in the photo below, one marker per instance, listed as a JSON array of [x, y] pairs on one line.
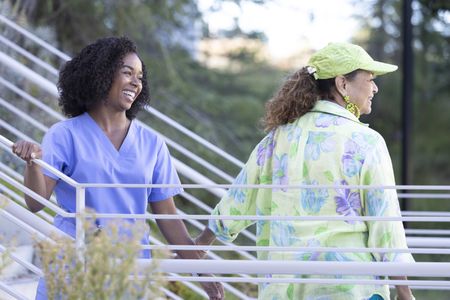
[[225, 105]]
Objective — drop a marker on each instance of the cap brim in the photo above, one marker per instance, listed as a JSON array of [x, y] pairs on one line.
[[379, 68]]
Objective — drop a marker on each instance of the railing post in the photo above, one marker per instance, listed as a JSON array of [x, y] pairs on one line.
[[79, 219]]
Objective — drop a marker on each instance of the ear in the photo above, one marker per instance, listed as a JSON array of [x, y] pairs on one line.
[[340, 83]]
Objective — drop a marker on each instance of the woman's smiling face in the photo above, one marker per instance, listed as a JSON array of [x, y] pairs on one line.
[[127, 83]]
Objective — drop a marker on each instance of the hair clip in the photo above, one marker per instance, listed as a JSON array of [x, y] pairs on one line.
[[312, 71]]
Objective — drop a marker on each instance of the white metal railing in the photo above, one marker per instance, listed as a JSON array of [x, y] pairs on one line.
[[219, 265], [34, 38], [261, 267], [29, 56], [6, 143]]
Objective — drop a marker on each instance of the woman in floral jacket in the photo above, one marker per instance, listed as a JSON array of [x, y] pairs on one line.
[[315, 138]]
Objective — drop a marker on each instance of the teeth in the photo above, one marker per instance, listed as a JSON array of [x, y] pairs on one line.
[[129, 94]]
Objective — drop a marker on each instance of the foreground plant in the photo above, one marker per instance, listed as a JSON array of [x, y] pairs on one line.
[[106, 269]]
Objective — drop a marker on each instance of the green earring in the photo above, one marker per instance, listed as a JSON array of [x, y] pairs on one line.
[[351, 107]]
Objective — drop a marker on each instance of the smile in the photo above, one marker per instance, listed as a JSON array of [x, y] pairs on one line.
[[130, 94]]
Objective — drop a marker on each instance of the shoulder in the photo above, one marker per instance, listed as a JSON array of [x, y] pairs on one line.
[[69, 124], [65, 130], [147, 135]]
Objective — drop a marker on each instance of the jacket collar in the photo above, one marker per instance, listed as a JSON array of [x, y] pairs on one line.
[[332, 108]]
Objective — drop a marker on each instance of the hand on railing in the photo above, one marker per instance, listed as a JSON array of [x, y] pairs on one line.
[[27, 150], [213, 289]]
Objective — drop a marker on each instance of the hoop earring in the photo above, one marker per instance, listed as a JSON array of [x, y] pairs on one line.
[[351, 107]]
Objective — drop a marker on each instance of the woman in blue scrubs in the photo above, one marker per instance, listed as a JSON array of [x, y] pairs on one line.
[[101, 91]]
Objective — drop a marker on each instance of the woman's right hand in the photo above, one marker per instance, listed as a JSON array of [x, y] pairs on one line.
[[27, 150]]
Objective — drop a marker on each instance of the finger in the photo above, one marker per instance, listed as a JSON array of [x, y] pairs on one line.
[[17, 148], [28, 152]]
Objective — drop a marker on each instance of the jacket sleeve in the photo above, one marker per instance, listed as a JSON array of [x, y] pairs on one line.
[[237, 201], [377, 171]]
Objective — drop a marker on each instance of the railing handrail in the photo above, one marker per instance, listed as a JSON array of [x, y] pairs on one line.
[[30, 56], [34, 38]]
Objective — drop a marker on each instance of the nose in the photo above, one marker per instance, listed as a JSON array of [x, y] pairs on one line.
[[375, 87], [135, 81]]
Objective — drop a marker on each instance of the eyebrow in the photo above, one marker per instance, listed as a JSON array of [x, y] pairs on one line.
[[130, 67]]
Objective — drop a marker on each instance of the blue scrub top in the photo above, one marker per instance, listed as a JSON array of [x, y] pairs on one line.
[[80, 149]]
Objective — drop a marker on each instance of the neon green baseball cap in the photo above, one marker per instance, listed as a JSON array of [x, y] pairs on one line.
[[342, 58]]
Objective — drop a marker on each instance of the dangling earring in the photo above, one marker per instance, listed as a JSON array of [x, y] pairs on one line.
[[351, 107]]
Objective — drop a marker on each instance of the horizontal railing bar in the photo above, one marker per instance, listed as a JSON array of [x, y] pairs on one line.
[[423, 196], [327, 281], [268, 218], [227, 287], [427, 231], [300, 249], [422, 269], [267, 186], [426, 213]]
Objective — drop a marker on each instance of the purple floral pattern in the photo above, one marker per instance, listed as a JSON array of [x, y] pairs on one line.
[[265, 149], [352, 159], [348, 203], [280, 165]]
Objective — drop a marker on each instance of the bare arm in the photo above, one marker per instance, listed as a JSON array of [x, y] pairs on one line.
[[34, 179], [207, 237], [176, 233], [403, 291]]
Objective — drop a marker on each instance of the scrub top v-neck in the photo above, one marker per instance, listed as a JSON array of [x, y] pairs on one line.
[[80, 149]]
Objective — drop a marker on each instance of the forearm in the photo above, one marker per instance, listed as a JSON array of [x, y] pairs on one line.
[[175, 233], [34, 180], [207, 237], [403, 291]]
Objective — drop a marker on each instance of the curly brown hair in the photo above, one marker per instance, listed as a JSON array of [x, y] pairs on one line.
[[87, 78], [298, 95]]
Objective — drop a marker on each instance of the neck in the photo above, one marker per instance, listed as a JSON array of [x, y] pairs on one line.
[[110, 122]]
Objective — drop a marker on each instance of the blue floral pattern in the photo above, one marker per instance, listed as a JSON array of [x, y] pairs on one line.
[[238, 194], [312, 199], [317, 143]]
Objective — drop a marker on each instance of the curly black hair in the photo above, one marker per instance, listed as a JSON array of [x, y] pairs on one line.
[[87, 78]]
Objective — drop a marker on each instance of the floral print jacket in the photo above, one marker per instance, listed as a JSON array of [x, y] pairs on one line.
[[326, 146]]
